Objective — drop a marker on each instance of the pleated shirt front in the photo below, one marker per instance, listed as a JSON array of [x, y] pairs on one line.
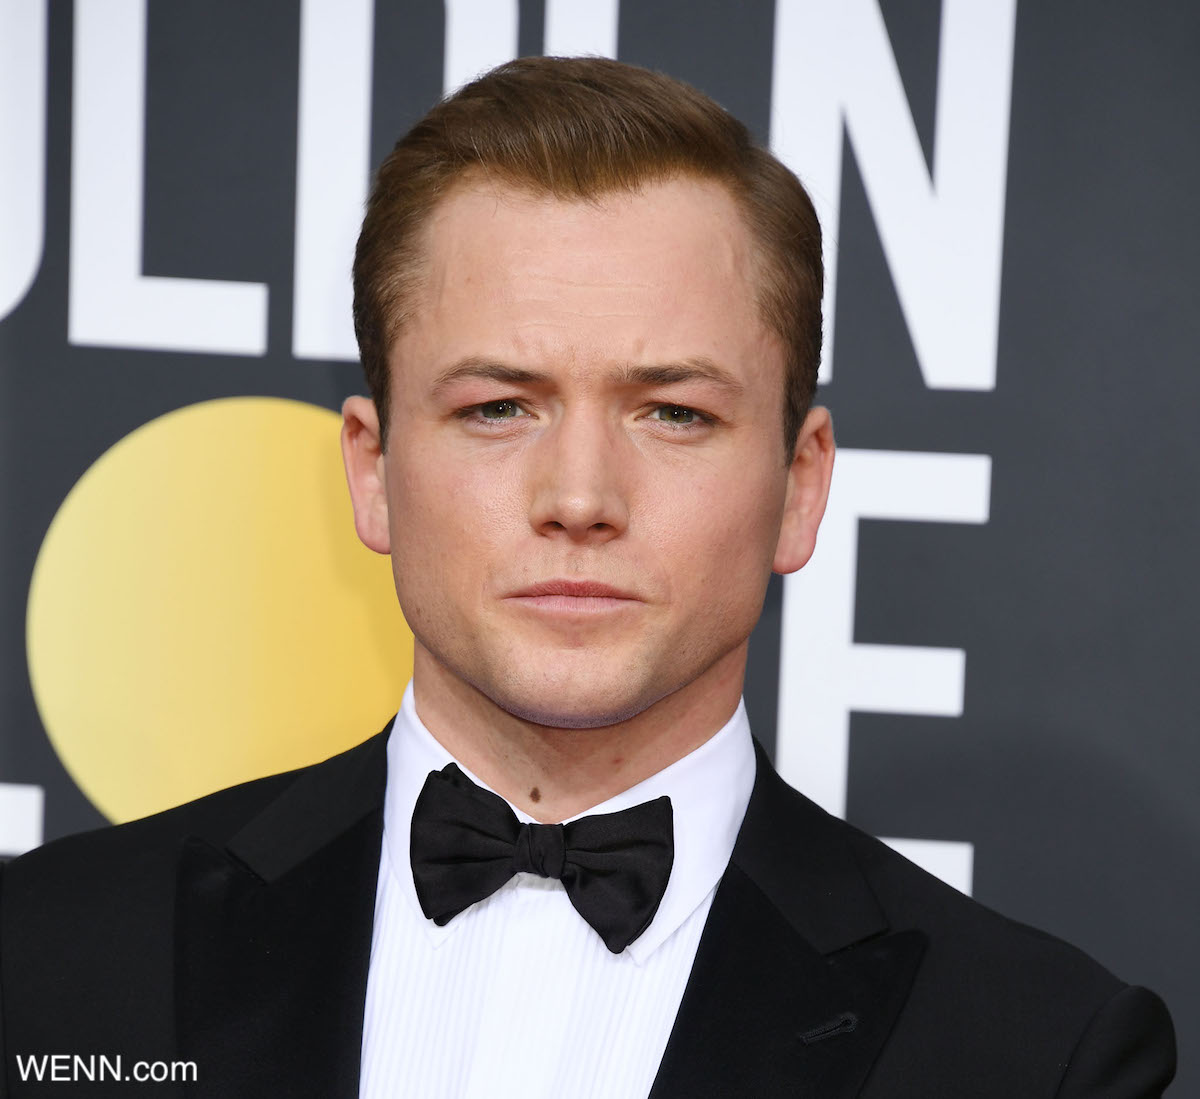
[[517, 996]]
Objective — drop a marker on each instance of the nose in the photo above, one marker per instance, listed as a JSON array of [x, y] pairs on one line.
[[576, 480]]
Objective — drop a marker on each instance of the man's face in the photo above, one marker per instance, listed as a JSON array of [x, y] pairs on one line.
[[586, 394]]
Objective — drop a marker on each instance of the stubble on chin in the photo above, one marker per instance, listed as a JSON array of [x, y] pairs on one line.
[[566, 706], [582, 718]]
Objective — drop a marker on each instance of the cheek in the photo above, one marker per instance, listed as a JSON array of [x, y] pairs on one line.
[[446, 518], [718, 532]]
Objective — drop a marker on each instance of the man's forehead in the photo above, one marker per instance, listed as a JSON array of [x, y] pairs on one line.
[[479, 213], [678, 244], [660, 278]]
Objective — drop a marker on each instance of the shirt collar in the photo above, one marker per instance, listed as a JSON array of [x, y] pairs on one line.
[[709, 789]]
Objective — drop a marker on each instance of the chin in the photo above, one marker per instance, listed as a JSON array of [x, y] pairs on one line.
[[579, 717], [587, 709]]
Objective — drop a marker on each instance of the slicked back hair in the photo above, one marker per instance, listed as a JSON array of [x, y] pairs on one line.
[[578, 129]]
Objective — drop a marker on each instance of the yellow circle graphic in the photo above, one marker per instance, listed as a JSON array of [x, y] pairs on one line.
[[202, 613]]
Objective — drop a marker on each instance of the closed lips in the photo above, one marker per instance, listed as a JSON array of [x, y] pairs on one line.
[[580, 589]]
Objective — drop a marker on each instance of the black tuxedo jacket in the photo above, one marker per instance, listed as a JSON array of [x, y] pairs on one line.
[[234, 932]]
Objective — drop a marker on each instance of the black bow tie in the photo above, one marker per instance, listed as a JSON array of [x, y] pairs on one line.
[[467, 842]]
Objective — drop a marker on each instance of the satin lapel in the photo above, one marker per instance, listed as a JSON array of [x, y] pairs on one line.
[[273, 935], [797, 982]]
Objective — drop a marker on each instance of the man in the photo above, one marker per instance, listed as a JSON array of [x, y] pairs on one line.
[[588, 309]]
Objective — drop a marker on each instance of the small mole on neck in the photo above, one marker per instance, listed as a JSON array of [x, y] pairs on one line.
[[535, 795]]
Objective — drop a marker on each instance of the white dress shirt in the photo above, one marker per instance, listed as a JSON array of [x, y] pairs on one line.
[[517, 995]]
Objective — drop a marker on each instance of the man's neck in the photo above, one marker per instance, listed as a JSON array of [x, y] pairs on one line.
[[556, 773]]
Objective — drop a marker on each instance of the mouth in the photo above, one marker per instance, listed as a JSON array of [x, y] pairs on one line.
[[574, 597], [573, 589]]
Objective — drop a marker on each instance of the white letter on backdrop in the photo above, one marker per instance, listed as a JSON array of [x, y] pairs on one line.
[[480, 34], [22, 810], [823, 673], [942, 236], [112, 303], [22, 147], [333, 137], [574, 28]]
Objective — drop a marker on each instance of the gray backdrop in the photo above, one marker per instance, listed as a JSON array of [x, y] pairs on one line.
[[1044, 741]]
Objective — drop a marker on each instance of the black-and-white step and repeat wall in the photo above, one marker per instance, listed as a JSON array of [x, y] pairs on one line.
[[990, 660]]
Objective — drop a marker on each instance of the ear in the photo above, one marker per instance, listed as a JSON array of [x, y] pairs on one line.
[[362, 454], [807, 491]]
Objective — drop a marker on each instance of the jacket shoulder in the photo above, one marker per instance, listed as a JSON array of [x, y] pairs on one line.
[[1014, 986], [989, 986], [812, 862], [129, 869], [131, 866], [120, 860], [967, 931]]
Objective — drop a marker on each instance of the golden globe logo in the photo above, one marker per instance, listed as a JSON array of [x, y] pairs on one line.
[[201, 612]]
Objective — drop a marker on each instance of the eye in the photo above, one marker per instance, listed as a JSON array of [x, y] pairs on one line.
[[498, 410], [679, 415]]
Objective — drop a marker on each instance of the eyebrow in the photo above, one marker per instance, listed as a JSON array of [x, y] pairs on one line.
[[698, 368]]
